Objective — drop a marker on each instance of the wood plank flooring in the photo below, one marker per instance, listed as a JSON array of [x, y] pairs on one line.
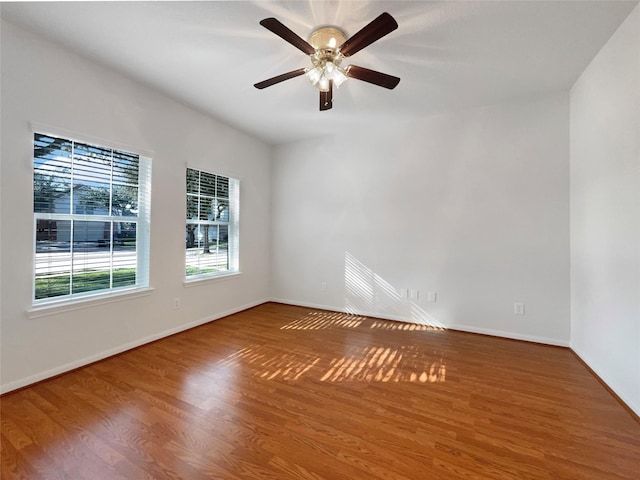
[[282, 392]]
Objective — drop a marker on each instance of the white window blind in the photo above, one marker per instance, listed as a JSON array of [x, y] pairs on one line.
[[91, 209]]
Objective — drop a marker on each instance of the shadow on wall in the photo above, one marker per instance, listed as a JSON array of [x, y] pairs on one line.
[[370, 294]]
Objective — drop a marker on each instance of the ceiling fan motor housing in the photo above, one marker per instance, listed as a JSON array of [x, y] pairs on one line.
[[326, 40]]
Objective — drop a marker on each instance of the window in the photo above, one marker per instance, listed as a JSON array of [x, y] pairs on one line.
[[91, 209], [212, 224]]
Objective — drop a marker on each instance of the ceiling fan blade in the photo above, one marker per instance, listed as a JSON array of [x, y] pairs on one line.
[[326, 98], [279, 78], [370, 33], [371, 76], [288, 35]]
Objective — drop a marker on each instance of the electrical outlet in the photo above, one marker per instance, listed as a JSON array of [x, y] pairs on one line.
[[323, 286], [176, 303], [414, 294], [518, 308], [404, 293], [432, 297]]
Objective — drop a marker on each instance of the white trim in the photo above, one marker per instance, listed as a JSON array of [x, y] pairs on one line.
[[605, 378], [510, 335], [38, 377], [458, 327], [87, 301], [195, 280], [37, 127]]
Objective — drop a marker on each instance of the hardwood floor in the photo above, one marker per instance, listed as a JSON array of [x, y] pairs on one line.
[[281, 392]]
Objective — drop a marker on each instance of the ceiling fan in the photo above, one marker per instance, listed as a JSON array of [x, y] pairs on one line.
[[327, 47]]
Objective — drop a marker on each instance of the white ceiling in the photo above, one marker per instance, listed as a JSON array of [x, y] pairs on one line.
[[450, 55]]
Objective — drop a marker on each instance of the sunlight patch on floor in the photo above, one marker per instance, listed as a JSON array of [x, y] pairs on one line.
[[379, 364], [324, 320], [365, 364]]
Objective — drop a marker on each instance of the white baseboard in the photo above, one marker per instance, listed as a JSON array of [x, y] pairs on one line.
[[510, 335], [296, 303], [459, 327], [38, 377], [607, 380]]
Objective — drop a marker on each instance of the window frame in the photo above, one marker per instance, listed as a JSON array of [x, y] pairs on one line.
[[232, 224], [141, 220]]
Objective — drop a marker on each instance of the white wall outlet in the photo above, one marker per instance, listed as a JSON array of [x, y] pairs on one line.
[[404, 293], [176, 303], [432, 297], [414, 294], [518, 308], [323, 286]]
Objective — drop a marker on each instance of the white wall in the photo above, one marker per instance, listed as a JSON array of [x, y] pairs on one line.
[[45, 84], [605, 213], [473, 206]]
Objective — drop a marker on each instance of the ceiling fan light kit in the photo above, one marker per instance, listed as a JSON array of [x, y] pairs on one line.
[[327, 58], [327, 48]]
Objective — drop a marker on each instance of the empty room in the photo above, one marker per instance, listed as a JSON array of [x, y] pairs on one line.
[[320, 240]]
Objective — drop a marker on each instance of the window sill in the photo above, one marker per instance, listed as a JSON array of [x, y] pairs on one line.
[[86, 302], [199, 280]]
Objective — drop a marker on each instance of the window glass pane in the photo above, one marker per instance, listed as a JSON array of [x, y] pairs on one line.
[[191, 236], [195, 239], [210, 253], [51, 175], [218, 259], [91, 258], [51, 193], [124, 256], [124, 201], [193, 181], [223, 247], [209, 209], [125, 168], [207, 184], [91, 164], [222, 208], [192, 207], [90, 198], [124, 236], [207, 206], [52, 155], [209, 236], [52, 258], [222, 187], [224, 235]]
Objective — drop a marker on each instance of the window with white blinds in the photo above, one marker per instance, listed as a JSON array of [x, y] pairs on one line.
[[211, 235], [91, 209]]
